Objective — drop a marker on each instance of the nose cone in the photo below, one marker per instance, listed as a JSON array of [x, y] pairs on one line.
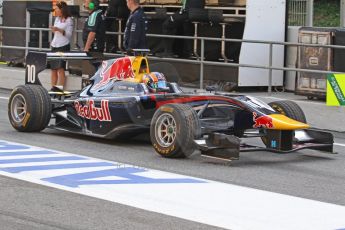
[[283, 122]]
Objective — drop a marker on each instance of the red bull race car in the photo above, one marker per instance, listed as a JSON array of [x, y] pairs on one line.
[[126, 98]]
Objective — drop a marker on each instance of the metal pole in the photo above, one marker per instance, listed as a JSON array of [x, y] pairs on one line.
[[342, 13], [119, 36], [195, 44], [296, 10], [223, 42], [202, 63], [40, 39], [50, 24], [75, 35], [300, 12], [27, 33], [310, 14], [270, 70], [293, 11]]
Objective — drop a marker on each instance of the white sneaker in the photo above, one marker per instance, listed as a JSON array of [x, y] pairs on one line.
[[60, 87]]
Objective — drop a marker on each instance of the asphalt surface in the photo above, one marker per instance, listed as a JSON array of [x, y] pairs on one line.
[[307, 174]]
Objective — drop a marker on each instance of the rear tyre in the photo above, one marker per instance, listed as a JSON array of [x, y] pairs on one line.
[[46, 105], [29, 108], [173, 130], [289, 109]]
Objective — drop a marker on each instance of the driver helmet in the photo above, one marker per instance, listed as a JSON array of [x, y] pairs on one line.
[[154, 80]]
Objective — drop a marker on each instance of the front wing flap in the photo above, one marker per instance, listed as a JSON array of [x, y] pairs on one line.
[[228, 147], [285, 141], [220, 146]]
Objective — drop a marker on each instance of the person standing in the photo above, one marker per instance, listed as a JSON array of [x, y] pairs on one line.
[[62, 29], [94, 28], [136, 27]]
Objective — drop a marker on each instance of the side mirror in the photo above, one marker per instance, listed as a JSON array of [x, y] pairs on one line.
[[211, 88], [163, 90]]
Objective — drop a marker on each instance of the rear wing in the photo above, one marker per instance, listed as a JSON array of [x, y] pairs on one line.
[[36, 62]]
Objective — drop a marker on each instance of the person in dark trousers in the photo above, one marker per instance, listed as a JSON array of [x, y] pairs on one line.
[[136, 27], [94, 30]]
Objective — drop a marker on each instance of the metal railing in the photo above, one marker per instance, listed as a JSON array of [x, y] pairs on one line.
[[342, 13], [201, 60], [26, 47]]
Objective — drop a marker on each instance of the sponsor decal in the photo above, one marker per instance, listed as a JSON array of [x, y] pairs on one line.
[[164, 150], [167, 109], [120, 69], [134, 25], [262, 121], [90, 111], [26, 118], [336, 90], [274, 144]]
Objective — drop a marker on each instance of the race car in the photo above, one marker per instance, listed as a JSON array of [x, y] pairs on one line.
[[124, 99]]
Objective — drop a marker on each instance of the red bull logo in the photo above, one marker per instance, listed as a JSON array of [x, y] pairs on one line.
[[120, 69], [89, 111], [262, 121]]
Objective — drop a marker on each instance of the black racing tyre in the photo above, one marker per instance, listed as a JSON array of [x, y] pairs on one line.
[[289, 109], [173, 130], [29, 108], [46, 107], [198, 15]]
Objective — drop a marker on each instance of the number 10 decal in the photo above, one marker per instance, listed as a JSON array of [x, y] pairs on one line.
[[31, 70]]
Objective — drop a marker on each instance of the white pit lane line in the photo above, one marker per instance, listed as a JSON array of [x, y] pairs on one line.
[[204, 201]]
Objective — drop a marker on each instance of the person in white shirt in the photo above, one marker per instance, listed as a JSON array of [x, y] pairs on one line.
[[62, 29]]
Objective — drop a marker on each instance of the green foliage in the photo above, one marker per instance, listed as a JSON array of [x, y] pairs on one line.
[[327, 13]]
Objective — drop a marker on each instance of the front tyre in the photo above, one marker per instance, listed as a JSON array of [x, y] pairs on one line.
[[29, 108], [173, 130], [289, 109]]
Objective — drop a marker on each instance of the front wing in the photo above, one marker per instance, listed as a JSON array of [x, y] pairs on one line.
[[228, 147]]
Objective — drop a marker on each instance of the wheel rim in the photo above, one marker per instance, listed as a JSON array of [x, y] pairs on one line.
[[166, 130], [18, 108]]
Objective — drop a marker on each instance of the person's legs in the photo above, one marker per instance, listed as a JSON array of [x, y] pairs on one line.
[[61, 74], [54, 77]]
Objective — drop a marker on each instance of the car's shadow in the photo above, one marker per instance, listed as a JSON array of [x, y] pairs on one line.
[[140, 139], [247, 159]]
